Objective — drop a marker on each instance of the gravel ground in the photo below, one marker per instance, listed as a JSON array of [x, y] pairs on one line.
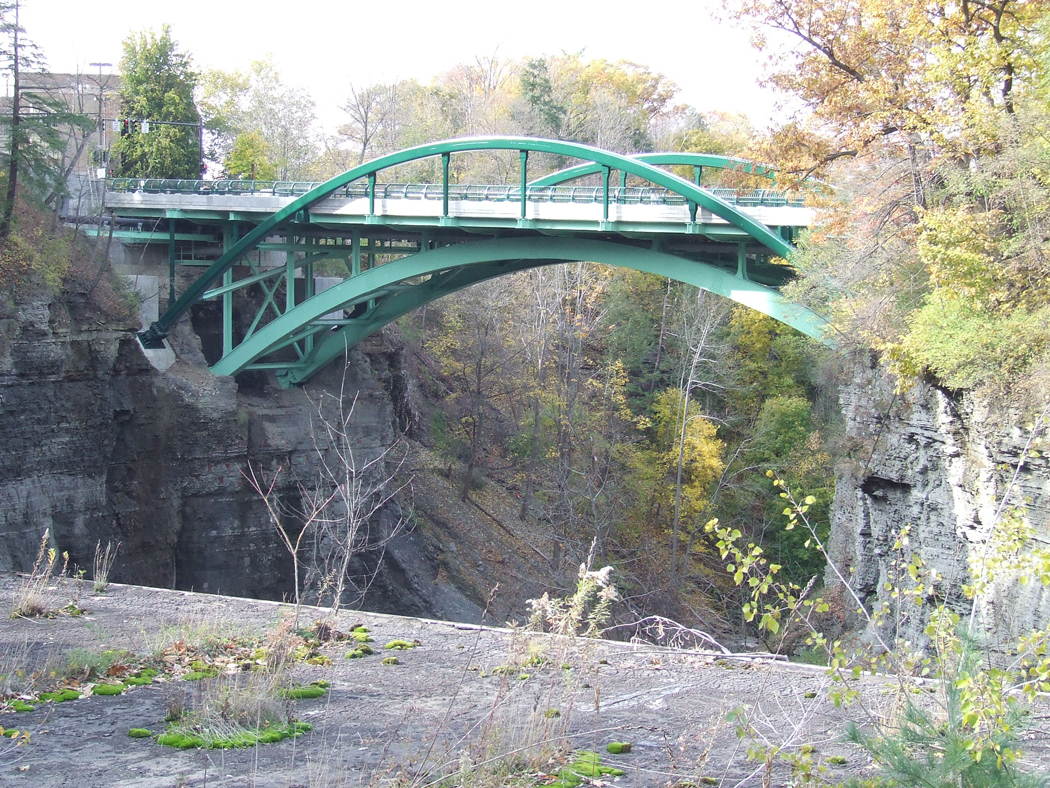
[[442, 707]]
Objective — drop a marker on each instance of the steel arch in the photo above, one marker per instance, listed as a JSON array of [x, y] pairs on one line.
[[595, 156], [711, 160], [452, 268]]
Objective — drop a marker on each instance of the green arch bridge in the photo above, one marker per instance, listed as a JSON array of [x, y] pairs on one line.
[[405, 245]]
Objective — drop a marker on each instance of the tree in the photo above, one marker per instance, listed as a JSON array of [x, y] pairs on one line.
[[338, 514], [235, 103], [34, 125], [157, 87], [371, 110], [546, 114], [249, 158], [900, 70]]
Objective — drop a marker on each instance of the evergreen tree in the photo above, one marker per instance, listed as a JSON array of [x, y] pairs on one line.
[[157, 88], [32, 125]]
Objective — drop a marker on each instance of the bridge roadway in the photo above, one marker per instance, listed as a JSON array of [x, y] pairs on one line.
[[388, 248], [567, 208]]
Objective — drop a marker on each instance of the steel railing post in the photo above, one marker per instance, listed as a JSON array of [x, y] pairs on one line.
[[445, 158], [524, 157]]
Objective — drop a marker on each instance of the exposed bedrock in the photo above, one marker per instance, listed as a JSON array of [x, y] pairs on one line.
[[96, 445], [941, 464]]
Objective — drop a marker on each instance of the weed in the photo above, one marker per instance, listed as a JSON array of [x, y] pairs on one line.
[[83, 664], [229, 711], [585, 612], [104, 559], [34, 596]]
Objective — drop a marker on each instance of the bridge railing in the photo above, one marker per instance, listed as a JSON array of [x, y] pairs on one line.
[[589, 195]]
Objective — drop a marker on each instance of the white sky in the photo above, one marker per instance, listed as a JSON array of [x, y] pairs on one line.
[[324, 46]]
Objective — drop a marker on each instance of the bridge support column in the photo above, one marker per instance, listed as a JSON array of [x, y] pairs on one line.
[[355, 252], [229, 238], [308, 292], [289, 281], [171, 262], [227, 313]]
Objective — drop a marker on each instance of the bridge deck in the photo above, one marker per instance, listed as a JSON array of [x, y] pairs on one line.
[[659, 217]]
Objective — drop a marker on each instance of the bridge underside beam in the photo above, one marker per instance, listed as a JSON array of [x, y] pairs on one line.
[[432, 274]]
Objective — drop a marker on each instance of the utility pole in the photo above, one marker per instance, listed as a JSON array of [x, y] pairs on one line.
[[103, 160]]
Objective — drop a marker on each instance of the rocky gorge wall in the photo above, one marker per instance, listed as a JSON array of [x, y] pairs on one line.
[[941, 464], [96, 445]]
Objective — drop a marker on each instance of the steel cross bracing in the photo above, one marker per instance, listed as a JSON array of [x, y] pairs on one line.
[[390, 248]]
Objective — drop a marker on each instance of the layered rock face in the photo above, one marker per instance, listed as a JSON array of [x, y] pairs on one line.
[[96, 445], [949, 468]]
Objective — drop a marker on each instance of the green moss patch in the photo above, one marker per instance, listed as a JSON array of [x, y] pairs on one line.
[[399, 645], [364, 650], [138, 681], [140, 733], [19, 705], [301, 693], [362, 637], [197, 675], [390, 661], [60, 696], [618, 747], [242, 739], [108, 689]]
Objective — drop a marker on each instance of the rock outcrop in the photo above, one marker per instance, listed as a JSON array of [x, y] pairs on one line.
[[97, 446], [948, 467]]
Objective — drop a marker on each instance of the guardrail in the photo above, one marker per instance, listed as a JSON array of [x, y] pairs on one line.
[[631, 195]]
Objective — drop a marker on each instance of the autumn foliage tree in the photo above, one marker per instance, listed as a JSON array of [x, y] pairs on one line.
[[931, 119]]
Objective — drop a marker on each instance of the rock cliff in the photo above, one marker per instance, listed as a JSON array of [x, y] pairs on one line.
[[948, 467], [99, 446]]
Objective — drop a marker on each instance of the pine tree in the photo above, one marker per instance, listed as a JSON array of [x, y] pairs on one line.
[[32, 125]]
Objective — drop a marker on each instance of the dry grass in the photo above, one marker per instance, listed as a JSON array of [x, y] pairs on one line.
[[220, 708], [36, 596], [104, 559]]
